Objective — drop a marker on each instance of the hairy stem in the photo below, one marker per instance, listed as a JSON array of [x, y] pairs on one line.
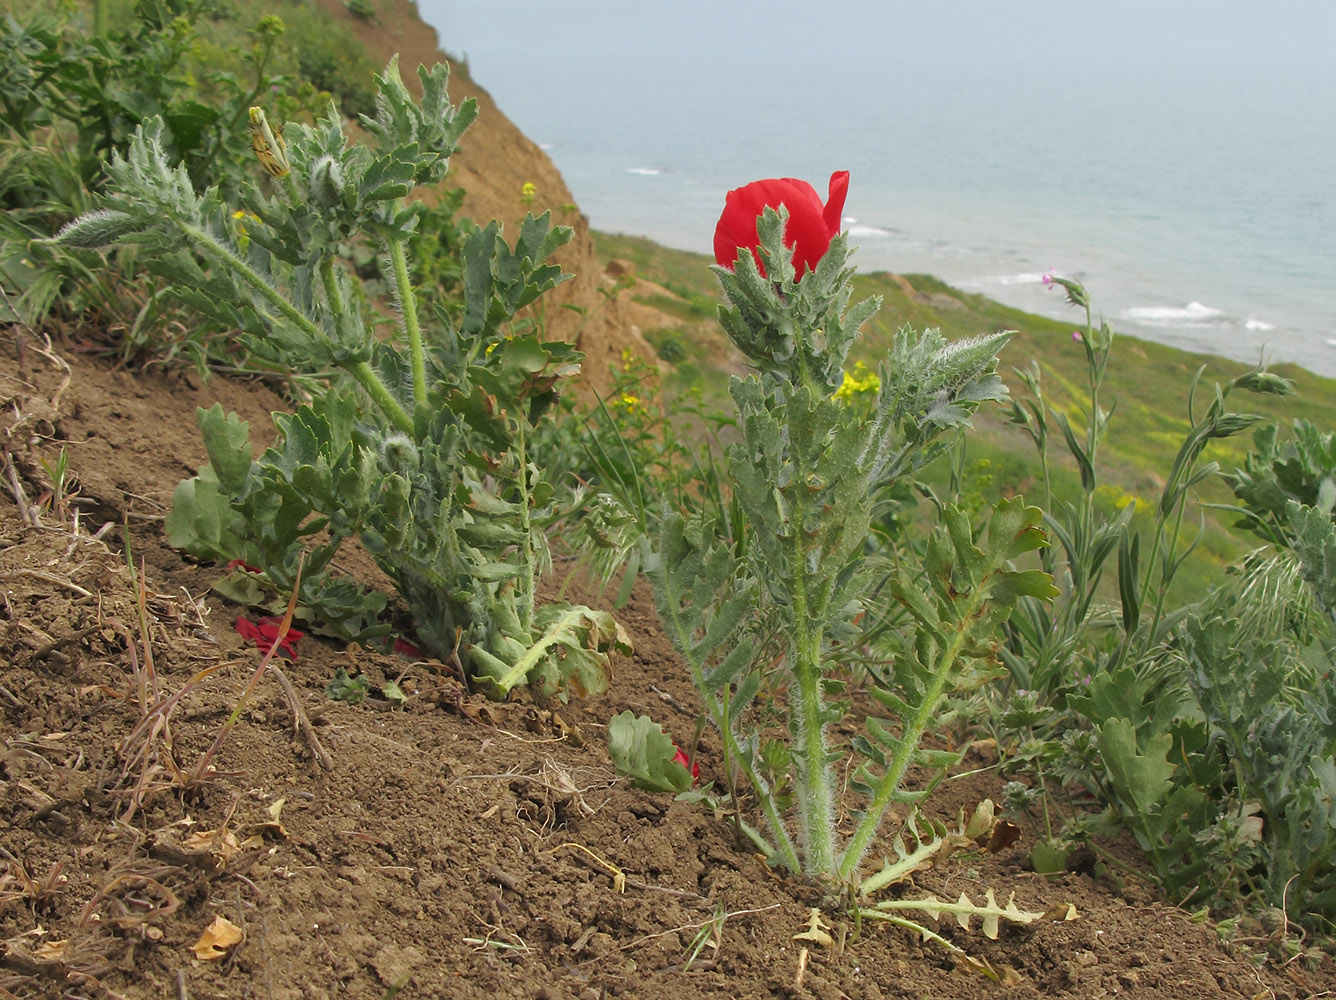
[[914, 728], [816, 802], [412, 330], [361, 371], [527, 556]]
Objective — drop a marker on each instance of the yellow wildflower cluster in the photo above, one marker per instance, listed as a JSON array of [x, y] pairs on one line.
[[628, 402], [857, 382], [528, 192], [1117, 498]]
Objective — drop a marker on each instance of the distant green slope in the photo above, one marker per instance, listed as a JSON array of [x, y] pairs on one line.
[[1148, 384]]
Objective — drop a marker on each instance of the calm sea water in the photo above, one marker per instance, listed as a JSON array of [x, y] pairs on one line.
[[1178, 156]]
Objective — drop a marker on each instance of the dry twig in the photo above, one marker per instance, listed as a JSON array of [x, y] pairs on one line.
[[300, 720]]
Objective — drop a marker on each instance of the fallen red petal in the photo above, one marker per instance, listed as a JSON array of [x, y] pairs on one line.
[[265, 631], [681, 758]]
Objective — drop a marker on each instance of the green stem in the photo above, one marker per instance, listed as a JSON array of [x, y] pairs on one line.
[[914, 728], [1166, 578], [408, 307], [721, 715], [332, 294], [100, 19], [785, 849], [526, 578], [371, 384], [816, 800], [814, 779], [360, 370]]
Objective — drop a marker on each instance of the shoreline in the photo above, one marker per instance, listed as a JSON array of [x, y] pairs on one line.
[[1059, 314]]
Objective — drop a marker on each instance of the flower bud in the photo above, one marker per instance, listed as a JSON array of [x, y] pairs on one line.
[[1266, 383], [327, 182], [268, 144]]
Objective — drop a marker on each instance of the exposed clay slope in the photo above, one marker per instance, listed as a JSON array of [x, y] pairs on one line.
[[496, 160]]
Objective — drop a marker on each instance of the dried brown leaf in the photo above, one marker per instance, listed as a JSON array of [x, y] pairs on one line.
[[217, 938], [816, 930], [50, 951]]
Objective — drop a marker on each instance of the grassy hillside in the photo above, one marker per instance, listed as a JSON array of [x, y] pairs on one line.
[[1147, 386]]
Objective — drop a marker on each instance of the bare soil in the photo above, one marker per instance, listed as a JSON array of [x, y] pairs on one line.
[[453, 848]]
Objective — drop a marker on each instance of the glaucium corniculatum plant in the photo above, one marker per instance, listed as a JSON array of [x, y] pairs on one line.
[[416, 442], [809, 473]]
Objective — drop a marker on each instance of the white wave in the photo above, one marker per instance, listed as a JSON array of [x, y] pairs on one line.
[[1258, 324], [876, 231], [644, 171], [1028, 278], [1193, 312]]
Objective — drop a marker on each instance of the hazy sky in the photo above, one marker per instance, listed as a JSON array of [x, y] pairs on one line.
[[1111, 30], [1145, 140]]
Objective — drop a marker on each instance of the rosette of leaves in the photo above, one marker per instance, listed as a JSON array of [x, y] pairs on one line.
[[414, 442], [809, 474]]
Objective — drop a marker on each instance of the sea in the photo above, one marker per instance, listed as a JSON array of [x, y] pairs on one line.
[[1176, 156]]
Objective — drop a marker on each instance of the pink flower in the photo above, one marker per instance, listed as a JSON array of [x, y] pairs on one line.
[[1076, 336], [265, 631], [681, 758], [808, 231]]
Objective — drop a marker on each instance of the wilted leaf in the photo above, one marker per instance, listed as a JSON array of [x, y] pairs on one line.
[[50, 951], [816, 930], [217, 938], [223, 848], [981, 821], [1060, 912]]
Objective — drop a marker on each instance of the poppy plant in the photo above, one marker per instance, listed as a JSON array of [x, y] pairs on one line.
[[808, 232]]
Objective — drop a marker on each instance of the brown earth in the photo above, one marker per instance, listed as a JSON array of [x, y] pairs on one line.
[[451, 848]]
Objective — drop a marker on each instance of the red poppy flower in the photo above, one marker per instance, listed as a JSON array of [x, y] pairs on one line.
[[681, 758], [810, 227], [265, 631]]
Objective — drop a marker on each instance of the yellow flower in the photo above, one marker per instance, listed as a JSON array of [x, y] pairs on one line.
[[528, 191], [243, 237], [857, 382]]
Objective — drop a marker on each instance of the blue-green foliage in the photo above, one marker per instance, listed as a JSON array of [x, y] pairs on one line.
[[416, 445], [807, 477]]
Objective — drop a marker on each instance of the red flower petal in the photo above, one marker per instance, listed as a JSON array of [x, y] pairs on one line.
[[810, 227], [681, 758], [265, 631], [402, 647], [238, 564]]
